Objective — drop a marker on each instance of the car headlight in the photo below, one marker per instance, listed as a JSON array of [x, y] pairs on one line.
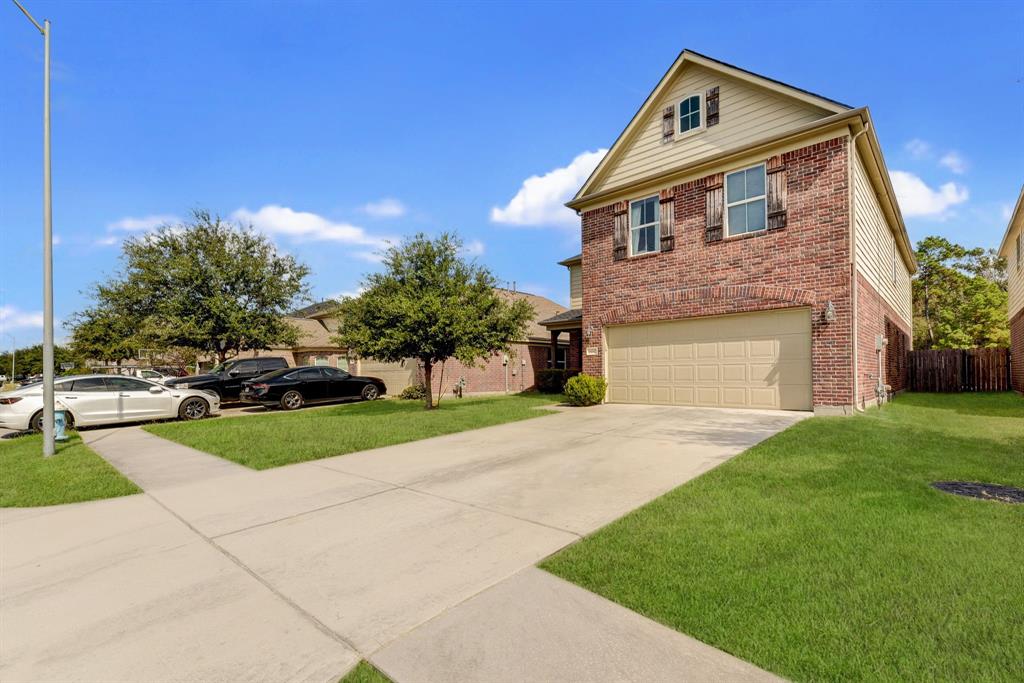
[[183, 385]]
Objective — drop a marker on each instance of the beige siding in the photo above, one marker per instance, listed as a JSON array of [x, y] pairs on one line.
[[876, 246], [1015, 272], [396, 376], [748, 113], [575, 286]]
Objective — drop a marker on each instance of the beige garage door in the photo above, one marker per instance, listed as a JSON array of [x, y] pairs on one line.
[[396, 376], [750, 360]]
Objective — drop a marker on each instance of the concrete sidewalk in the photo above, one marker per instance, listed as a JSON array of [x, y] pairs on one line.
[[418, 556]]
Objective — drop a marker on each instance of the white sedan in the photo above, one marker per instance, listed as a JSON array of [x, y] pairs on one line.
[[105, 399]]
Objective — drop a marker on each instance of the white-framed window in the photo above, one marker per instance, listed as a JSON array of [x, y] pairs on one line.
[[644, 219], [746, 207], [322, 360], [689, 114]]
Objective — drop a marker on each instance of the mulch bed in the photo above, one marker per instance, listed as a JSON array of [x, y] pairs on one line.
[[972, 489]]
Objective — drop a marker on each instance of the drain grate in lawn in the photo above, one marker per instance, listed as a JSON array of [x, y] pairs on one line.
[[973, 489]]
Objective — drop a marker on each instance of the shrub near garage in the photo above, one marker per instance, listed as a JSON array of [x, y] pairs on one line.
[[585, 390]]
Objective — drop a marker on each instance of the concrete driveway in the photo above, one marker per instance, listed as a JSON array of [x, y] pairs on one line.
[[392, 555]]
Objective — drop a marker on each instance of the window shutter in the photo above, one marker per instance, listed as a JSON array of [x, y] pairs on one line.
[[668, 123], [776, 171], [714, 203], [668, 239], [711, 107], [620, 238]]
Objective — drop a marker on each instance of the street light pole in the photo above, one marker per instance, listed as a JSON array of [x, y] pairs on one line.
[[48, 444]]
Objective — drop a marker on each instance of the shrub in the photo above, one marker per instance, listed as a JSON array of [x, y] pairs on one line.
[[553, 381], [414, 392], [585, 390]]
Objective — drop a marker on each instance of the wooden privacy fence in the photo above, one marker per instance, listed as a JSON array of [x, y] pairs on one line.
[[959, 370]]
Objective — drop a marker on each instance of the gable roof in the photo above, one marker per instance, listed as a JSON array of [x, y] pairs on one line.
[[690, 57], [544, 308], [1016, 218]]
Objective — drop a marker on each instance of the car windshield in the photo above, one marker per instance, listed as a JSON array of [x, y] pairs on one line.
[[222, 367]]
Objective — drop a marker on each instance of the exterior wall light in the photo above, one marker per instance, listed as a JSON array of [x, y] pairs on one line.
[[830, 312]]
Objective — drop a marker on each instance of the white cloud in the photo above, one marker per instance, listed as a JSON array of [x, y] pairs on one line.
[[347, 294], [954, 162], [917, 199], [12, 318], [1006, 211], [107, 241], [57, 240], [540, 201], [144, 224], [304, 226], [473, 248], [385, 208], [918, 148]]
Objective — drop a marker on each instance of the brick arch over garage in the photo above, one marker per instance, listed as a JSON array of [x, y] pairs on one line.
[[710, 300]]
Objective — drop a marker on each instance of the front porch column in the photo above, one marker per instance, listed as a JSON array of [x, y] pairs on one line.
[[554, 348]]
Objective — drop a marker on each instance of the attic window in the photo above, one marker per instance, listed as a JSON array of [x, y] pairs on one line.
[[689, 114]]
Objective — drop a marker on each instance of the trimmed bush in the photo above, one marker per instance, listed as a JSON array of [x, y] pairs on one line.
[[585, 390], [414, 392], [553, 381]]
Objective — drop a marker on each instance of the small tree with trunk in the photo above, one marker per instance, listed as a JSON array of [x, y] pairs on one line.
[[431, 305]]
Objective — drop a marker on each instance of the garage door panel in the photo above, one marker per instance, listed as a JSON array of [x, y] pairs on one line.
[[757, 360]]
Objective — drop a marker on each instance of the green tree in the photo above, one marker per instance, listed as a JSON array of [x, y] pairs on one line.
[[29, 360], [959, 296], [206, 285], [106, 332], [431, 305]]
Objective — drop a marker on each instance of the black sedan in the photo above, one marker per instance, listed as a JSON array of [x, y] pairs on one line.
[[292, 388]]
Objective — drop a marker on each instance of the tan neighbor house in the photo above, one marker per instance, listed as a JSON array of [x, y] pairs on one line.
[[1012, 249], [514, 371]]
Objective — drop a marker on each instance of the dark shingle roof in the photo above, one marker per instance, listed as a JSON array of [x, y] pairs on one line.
[[572, 315]]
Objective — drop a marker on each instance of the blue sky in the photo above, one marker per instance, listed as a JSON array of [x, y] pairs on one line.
[[335, 126]]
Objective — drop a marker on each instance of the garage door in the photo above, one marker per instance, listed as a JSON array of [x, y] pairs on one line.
[[396, 376], [750, 360]]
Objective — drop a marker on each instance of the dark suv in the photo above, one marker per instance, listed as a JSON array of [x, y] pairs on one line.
[[226, 378]]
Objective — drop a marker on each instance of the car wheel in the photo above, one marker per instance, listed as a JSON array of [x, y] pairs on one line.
[[292, 400], [36, 423], [193, 409], [370, 392]]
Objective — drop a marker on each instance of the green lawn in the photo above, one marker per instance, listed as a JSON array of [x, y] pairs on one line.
[[365, 673], [74, 474], [280, 438], [823, 554]]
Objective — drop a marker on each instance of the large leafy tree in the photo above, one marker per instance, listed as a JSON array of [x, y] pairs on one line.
[[959, 296], [206, 285], [29, 360], [430, 304], [108, 331]]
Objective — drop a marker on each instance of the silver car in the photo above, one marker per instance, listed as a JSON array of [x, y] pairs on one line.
[[105, 399]]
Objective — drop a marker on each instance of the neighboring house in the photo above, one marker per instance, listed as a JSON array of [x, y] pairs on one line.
[[1012, 249], [743, 247], [515, 371]]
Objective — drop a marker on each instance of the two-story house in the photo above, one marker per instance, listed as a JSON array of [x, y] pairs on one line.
[[742, 247], [1012, 249]]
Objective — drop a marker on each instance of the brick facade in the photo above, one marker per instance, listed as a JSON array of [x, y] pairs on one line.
[[806, 263], [1017, 352], [491, 375], [876, 317]]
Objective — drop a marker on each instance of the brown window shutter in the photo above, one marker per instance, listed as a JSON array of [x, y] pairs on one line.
[[620, 237], [714, 206], [668, 239], [668, 123], [776, 193], [711, 107]]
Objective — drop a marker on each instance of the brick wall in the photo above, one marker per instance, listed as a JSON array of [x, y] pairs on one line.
[[804, 264], [490, 376], [876, 317], [1017, 352], [574, 361]]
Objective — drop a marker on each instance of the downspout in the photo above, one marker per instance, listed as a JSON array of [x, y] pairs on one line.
[[853, 267]]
